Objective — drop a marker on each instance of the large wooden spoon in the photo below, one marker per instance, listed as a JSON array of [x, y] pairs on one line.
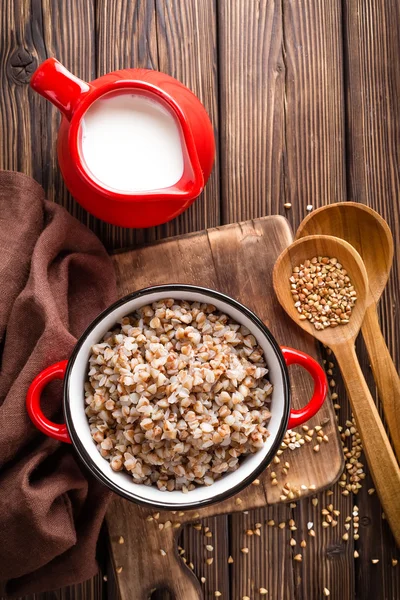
[[378, 451], [370, 235]]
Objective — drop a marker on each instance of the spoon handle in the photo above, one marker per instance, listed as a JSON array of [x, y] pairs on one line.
[[386, 377], [378, 451]]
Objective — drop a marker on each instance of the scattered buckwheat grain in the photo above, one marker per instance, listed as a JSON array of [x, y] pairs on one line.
[[298, 557]]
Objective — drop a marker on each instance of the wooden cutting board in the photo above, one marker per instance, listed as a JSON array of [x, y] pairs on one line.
[[236, 260]]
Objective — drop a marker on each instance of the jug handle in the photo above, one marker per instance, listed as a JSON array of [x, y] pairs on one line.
[[53, 81]]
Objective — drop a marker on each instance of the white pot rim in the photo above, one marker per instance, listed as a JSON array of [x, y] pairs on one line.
[[163, 500]]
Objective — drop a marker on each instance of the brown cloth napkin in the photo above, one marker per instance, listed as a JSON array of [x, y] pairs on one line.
[[55, 277]]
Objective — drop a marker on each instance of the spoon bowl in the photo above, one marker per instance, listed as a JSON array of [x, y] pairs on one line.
[[364, 229], [348, 257]]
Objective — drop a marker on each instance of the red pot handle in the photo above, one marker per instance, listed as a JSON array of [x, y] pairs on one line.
[[296, 357], [33, 397]]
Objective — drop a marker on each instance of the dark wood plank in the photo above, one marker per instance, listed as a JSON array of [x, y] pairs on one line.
[[92, 589], [17, 63], [372, 46], [252, 108], [376, 541], [282, 126], [327, 560], [194, 541], [271, 548], [314, 99], [148, 559], [148, 34], [373, 128], [31, 32], [282, 140], [68, 34]]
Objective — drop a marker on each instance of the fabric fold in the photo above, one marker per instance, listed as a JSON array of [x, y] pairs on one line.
[[55, 277]]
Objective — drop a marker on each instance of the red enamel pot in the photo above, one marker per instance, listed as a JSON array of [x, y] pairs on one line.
[[75, 430]]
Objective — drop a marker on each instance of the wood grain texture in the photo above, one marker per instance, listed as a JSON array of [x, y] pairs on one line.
[[269, 562], [381, 459], [187, 50], [281, 105], [282, 140], [376, 539], [92, 589], [74, 46], [148, 558], [314, 100], [31, 32], [372, 80], [252, 98], [237, 260], [218, 574], [18, 107], [327, 560], [373, 131]]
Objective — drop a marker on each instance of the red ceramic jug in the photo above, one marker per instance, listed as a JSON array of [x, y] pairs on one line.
[[73, 98]]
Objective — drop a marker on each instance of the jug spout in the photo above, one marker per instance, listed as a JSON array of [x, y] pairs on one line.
[[53, 81]]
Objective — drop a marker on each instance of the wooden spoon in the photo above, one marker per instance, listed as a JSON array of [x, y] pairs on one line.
[[370, 235], [378, 451]]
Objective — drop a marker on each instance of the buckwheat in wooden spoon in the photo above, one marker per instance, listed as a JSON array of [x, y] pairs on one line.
[[341, 338], [370, 235]]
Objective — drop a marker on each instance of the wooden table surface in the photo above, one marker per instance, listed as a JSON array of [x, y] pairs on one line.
[[304, 98]]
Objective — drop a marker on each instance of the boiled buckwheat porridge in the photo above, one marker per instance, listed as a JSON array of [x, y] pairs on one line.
[[176, 394]]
